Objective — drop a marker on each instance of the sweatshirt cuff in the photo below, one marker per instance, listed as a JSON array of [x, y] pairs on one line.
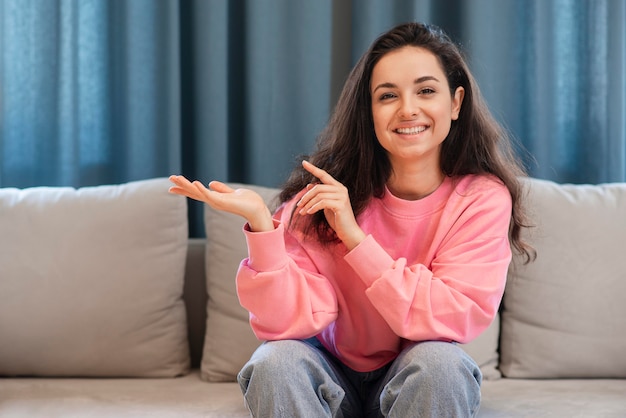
[[369, 260], [266, 250]]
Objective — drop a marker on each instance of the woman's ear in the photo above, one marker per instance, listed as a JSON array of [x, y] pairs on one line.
[[457, 101]]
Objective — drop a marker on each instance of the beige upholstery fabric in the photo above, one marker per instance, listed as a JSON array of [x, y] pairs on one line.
[[91, 281], [182, 397], [229, 340], [545, 398], [484, 350], [189, 397], [564, 315]]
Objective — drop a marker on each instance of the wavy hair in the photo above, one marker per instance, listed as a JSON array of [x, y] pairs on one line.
[[349, 151]]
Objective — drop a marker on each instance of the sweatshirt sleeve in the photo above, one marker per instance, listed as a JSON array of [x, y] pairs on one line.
[[281, 288], [457, 296]]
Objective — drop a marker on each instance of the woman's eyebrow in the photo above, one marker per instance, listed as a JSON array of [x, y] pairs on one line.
[[418, 80], [425, 78], [384, 86]]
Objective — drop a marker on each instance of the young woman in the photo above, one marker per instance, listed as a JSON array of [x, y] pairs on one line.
[[392, 243]]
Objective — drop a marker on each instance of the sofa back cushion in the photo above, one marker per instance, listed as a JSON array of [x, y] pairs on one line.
[[91, 281], [564, 314], [229, 341]]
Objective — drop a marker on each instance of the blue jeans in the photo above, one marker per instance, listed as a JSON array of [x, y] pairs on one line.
[[294, 378]]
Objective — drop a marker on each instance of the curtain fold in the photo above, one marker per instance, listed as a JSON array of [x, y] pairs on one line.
[[90, 91], [108, 91]]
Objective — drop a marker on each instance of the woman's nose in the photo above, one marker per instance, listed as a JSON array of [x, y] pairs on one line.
[[409, 108]]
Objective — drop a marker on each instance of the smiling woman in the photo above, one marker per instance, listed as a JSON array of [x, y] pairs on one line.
[[392, 242], [105, 91]]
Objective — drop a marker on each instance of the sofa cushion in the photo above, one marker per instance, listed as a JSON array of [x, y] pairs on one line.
[[484, 350], [229, 340], [563, 314], [183, 397], [92, 281]]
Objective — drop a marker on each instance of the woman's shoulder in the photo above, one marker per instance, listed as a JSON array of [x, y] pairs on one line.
[[475, 183], [481, 185]]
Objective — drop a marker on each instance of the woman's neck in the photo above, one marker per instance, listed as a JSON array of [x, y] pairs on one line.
[[415, 185]]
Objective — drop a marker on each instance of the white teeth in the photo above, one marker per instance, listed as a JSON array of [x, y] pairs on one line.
[[411, 131]]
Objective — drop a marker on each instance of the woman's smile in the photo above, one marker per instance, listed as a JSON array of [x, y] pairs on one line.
[[414, 130]]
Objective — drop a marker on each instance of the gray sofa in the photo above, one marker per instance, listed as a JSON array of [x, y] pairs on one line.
[[107, 309]]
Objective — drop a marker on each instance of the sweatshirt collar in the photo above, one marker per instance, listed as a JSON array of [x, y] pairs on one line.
[[420, 207]]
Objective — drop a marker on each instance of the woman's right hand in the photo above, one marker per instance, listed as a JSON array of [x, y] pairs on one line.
[[243, 202]]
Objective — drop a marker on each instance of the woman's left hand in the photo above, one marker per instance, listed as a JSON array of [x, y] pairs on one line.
[[332, 197]]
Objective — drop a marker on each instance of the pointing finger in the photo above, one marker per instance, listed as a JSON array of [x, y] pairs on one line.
[[322, 175]]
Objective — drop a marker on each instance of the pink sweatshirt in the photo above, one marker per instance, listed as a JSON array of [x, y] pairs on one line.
[[429, 269]]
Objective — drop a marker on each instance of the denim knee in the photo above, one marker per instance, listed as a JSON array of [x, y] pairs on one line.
[[440, 360], [273, 360], [289, 379], [432, 379]]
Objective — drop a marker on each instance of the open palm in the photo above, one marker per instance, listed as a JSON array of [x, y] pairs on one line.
[[243, 202]]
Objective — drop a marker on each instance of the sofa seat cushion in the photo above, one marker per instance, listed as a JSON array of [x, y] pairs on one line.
[[92, 281], [190, 397], [523, 398], [182, 397], [564, 314]]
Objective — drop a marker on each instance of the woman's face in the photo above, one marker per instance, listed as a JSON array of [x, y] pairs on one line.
[[412, 106]]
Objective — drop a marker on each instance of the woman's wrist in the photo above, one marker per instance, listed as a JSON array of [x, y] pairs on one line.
[[354, 239], [263, 222]]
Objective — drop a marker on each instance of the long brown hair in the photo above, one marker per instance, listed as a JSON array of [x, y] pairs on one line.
[[349, 151]]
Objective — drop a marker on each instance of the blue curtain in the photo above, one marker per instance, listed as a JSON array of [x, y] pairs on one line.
[[90, 91], [108, 91], [555, 73]]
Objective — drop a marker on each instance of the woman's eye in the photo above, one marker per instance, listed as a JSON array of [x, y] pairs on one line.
[[426, 91], [386, 96]]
